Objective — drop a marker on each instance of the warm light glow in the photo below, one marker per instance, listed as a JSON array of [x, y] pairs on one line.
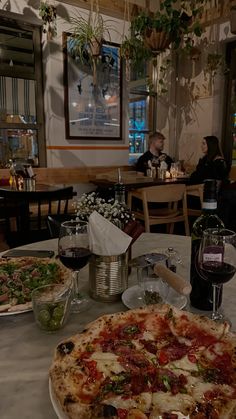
[[167, 175], [74, 104]]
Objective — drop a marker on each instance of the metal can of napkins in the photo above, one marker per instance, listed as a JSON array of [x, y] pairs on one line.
[[108, 276]]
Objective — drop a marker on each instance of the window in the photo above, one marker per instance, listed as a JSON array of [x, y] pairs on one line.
[[141, 114], [21, 94]]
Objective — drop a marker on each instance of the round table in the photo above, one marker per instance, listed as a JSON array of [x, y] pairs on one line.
[[26, 351]]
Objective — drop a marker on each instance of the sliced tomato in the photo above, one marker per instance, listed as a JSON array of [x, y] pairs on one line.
[[163, 358], [93, 372]]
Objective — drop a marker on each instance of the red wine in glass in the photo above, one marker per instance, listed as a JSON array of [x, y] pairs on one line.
[[218, 273], [74, 253], [217, 262], [75, 258]]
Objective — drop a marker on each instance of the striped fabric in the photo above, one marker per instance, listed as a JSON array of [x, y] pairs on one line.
[[17, 96], [3, 100]]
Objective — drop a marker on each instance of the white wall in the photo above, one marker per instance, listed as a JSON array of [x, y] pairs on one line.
[[54, 101], [199, 100], [181, 116]]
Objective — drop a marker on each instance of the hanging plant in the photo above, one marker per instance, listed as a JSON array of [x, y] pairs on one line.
[[214, 63], [171, 25], [163, 76], [87, 36], [48, 14]]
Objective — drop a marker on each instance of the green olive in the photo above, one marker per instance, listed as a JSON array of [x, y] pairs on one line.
[[54, 324], [44, 317], [58, 312]]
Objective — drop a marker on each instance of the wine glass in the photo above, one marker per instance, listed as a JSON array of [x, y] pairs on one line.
[[217, 262], [173, 170], [74, 253]]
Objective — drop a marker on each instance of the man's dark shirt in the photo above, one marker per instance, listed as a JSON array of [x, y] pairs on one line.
[[142, 163]]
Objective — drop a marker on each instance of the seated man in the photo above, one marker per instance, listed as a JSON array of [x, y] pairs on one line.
[[154, 154]]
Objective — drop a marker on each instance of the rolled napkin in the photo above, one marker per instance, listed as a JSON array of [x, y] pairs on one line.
[[174, 280], [105, 238]]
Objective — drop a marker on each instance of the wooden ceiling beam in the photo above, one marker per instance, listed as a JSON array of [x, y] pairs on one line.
[[114, 8], [215, 11]]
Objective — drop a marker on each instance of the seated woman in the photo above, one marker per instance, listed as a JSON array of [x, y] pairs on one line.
[[212, 165]]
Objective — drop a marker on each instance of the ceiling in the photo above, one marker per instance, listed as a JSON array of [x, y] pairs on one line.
[[216, 9]]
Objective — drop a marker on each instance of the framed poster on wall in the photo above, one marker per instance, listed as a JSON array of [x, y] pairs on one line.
[[93, 95]]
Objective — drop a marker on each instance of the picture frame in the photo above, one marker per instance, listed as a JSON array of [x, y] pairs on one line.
[[93, 111]]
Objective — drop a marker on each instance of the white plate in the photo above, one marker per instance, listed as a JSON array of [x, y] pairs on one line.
[[56, 406], [132, 298], [11, 313]]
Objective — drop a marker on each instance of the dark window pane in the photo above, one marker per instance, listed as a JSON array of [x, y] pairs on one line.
[[17, 100]]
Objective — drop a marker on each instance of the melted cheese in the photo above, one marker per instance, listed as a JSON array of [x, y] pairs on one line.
[[107, 363], [200, 388], [143, 402], [163, 402], [148, 336], [215, 350], [184, 364]]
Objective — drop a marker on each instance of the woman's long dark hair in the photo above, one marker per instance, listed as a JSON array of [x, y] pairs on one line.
[[213, 147]]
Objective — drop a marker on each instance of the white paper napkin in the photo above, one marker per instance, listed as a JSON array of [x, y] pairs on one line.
[[105, 238]]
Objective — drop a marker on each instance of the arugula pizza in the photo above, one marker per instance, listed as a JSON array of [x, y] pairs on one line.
[[155, 362], [20, 276]]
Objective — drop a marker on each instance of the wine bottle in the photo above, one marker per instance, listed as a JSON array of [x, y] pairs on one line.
[[119, 188], [201, 296]]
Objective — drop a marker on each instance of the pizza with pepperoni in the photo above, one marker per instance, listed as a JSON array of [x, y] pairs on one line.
[[155, 362]]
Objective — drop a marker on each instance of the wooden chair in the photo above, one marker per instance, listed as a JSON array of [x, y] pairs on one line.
[[232, 173], [54, 223], [24, 226], [195, 190], [171, 194]]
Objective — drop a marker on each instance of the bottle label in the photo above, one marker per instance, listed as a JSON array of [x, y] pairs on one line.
[[209, 205], [213, 254]]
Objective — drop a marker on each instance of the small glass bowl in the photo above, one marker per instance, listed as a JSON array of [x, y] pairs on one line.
[[153, 289], [51, 306]]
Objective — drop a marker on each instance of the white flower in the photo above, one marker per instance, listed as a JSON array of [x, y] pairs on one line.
[[114, 211]]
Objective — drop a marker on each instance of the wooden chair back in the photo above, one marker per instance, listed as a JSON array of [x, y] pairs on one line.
[[172, 195], [54, 223], [23, 225], [195, 190]]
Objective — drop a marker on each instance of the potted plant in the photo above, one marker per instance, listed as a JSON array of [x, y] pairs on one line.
[[171, 25], [87, 36], [48, 14], [133, 49]]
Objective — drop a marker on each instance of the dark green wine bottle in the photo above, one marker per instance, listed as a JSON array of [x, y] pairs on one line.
[[201, 296]]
